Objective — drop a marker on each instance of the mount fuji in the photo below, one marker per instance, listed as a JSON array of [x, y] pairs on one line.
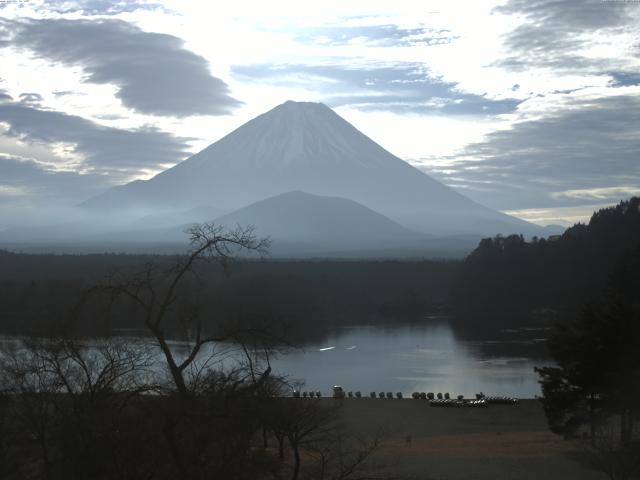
[[307, 147]]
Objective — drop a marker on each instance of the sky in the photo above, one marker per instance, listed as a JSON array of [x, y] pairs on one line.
[[531, 107]]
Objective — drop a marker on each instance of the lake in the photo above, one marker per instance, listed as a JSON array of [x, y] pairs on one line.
[[422, 358], [427, 357]]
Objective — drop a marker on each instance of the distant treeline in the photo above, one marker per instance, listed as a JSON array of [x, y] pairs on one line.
[[506, 282], [507, 277], [38, 293]]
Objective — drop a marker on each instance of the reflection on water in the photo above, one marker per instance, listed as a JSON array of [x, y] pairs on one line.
[[422, 358], [416, 358]]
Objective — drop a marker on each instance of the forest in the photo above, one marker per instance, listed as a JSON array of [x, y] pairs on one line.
[[508, 278], [38, 292]]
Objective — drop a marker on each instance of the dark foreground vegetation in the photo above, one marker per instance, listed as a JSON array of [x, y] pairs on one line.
[[148, 409], [107, 412]]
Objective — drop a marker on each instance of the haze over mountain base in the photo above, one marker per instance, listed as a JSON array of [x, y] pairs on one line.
[[301, 175]]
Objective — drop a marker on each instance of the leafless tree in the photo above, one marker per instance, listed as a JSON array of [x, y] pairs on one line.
[[302, 421], [318, 443], [155, 291], [339, 456], [215, 366], [62, 393]]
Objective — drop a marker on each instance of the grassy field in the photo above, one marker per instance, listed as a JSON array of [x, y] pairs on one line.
[[498, 442]]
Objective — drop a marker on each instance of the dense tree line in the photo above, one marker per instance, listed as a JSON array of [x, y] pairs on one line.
[[506, 278], [37, 292]]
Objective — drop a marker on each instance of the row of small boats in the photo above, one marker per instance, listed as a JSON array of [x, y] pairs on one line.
[[458, 403], [435, 399], [311, 394], [477, 402]]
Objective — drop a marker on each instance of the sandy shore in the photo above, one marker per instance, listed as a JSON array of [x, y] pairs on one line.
[[498, 442]]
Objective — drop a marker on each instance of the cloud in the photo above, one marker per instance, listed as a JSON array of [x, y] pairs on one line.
[[96, 148], [388, 35], [599, 193], [559, 35], [11, 190], [565, 216], [25, 181], [588, 151], [30, 98], [154, 74], [31, 194], [624, 79], [398, 88], [98, 7], [62, 93]]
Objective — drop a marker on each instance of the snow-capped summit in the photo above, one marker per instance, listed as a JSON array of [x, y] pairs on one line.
[[308, 147], [293, 135]]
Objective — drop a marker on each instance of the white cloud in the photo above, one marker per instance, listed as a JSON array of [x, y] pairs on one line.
[[430, 136], [565, 216], [12, 191], [603, 193]]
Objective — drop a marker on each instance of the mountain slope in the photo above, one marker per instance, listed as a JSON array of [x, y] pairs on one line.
[[329, 222], [308, 147]]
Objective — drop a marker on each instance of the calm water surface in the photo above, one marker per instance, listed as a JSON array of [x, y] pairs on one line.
[[422, 358], [425, 358]]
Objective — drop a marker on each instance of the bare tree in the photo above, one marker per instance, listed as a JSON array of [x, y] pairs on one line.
[[155, 291], [66, 400], [303, 420], [340, 457], [314, 433], [216, 363]]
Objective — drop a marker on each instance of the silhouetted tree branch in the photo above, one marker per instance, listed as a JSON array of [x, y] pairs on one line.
[[155, 292]]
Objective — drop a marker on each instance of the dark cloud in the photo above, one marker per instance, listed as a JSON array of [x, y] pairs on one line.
[[400, 88], [25, 181], [105, 149], [379, 35], [31, 98], [594, 145], [62, 93], [552, 34], [624, 79], [153, 72]]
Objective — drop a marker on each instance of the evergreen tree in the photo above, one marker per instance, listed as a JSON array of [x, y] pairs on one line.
[[597, 376]]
